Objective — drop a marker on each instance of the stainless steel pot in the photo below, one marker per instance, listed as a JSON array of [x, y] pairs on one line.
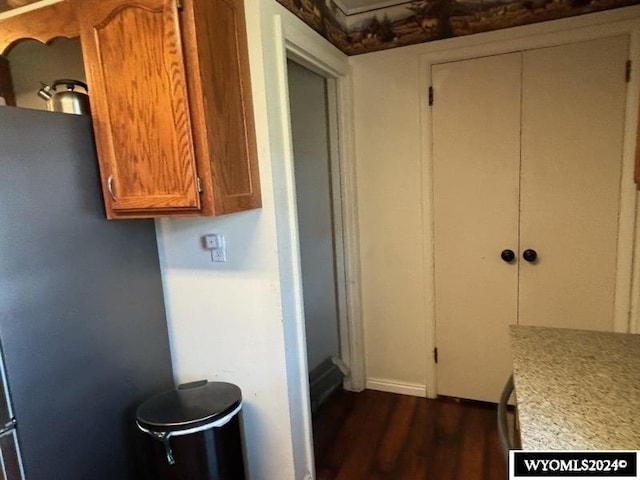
[[68, 100]]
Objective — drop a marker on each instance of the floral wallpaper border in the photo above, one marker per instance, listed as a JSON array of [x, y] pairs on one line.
[[427, 20], [421, 21]]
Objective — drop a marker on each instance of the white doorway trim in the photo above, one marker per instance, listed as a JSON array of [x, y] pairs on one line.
[[343, 185], [284, 34], [587, 27]]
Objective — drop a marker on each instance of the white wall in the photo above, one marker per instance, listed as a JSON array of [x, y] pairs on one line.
[[242, 321], [309, 124], [392, 134], [388, 162], [225, 320]]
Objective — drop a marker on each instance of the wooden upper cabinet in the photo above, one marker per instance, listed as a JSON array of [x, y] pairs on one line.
[[170, 94], [171, 106]]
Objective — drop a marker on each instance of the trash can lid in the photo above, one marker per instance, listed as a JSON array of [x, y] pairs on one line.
[[188, 406]]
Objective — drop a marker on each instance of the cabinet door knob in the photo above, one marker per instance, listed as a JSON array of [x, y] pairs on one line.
[[508, 255], [530, 255], [110, 187]]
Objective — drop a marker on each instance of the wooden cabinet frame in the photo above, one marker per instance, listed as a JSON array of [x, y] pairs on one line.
[[636, 173]]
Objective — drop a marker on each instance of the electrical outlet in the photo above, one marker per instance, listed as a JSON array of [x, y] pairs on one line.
[[219, 254], [214, 242]]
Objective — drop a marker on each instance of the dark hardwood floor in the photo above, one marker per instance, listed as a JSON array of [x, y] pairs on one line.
[[382, 436]]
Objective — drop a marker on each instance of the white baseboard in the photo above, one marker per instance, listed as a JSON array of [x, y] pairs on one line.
[[383, 385]]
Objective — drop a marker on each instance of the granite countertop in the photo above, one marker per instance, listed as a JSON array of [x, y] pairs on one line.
[[576, 389]]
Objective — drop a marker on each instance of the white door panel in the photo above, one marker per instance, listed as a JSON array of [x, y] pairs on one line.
[[476, 157], [573, 117]]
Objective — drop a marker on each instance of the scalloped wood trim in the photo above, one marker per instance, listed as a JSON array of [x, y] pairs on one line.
[[42, 24]]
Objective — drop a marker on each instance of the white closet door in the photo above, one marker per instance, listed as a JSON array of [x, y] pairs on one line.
[[476, 155], [573, 119]]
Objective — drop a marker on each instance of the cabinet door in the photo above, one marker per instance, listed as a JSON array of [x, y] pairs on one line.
[[221, 105], [572, 132], [135, 70], [476, 155]]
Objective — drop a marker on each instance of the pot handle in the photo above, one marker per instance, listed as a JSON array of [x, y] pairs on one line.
[[69, 81]]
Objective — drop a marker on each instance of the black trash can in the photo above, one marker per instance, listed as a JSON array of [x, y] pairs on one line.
[[194, 432]]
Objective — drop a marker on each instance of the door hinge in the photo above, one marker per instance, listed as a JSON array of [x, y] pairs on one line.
[[627, 71], [431, 96], [179, 4], [435, 354], [199, 184]]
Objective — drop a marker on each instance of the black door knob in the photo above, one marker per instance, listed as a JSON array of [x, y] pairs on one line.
[[508, 255], [530, 255]]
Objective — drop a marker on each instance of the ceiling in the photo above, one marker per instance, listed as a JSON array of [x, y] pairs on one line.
[[350, 7]]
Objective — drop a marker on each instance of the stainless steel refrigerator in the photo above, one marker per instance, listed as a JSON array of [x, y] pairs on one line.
[[83, 334]]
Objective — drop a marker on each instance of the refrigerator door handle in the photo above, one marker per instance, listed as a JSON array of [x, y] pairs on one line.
[[10, 425], [11, 467]]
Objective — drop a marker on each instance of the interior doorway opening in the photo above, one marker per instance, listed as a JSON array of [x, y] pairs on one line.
[[312, 105]]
